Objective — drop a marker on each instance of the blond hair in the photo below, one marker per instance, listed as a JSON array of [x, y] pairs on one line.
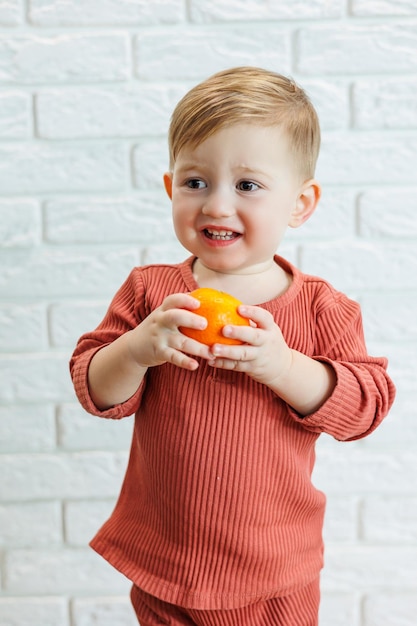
[[248, 95]]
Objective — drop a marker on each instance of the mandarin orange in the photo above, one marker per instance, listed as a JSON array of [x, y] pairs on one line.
[[219, 308]]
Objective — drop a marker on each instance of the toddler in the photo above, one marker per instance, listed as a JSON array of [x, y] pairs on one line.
[[218, 522]]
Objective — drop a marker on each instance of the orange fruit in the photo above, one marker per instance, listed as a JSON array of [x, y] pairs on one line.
[[219, 308]]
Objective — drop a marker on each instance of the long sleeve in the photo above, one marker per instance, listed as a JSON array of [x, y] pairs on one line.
[[364, 392], [125, 312]]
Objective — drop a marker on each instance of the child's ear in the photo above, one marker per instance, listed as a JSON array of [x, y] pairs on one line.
[[168, 184], [306, 203]]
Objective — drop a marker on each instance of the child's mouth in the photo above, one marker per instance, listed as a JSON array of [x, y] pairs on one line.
[[220, 235]]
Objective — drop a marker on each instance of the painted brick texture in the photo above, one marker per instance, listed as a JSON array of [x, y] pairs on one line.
[[86, 92]]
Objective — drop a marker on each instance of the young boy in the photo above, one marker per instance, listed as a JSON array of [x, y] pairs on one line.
[[218, 522]]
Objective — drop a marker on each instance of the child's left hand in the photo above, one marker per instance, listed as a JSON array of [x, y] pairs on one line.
[[264, 355]]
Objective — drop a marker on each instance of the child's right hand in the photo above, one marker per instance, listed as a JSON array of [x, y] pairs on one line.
[[116, 371], [158, 340]]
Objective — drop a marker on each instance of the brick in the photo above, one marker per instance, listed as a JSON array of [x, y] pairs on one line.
[[289, 252], [388, 317], [27, 428], [150, 161], [331, 101], [104, 611], [18, 611], [38, 167], [343, 264], [385, 103], [398, 430], [84, 518], [357, 48], [364, 569], [11, 12], [164, 55], [369, 8], [238, 10], [30, 524], [77, 430], [65, 272], [60, 572], [35, 378], [105, 111], [333, 218], [62, 476], [67, 322], [367, 158], [173, 252], [386, 609], [338, 609], [22, 327], [76, 57], [107, 12], [351, 470], [170, 252], [20, 223], [15, 114], [389, 519], [341, 519], [388, 213], [143, 218], [403, 366]]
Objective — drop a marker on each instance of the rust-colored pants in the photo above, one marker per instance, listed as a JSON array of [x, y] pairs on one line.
[[298, 609]]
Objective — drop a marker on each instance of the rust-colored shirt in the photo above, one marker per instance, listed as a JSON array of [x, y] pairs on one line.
[[217, 508]]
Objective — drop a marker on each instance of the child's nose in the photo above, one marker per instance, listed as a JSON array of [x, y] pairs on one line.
[[218, 204]]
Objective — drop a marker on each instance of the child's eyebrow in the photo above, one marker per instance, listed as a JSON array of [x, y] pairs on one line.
[[189, 165], [248, 169], [240, 169], [251, 171]]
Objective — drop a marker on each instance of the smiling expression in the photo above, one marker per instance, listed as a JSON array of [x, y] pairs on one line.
[[234, 195]]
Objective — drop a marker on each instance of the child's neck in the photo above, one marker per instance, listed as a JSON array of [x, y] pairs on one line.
[[261, 285]]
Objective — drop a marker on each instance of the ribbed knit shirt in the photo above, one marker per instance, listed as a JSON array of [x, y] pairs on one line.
[[217, 508]]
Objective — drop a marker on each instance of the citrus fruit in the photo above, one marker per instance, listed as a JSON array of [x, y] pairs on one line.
[[219, 308]]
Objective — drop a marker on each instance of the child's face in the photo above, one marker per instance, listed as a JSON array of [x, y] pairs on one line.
[[233, 197]]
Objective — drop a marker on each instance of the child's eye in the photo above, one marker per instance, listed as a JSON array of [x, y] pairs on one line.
[[195, 183], [247, 185]]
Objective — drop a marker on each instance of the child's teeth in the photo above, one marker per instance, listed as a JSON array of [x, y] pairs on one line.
[[220, 234]]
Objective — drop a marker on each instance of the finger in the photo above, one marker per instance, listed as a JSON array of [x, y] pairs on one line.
[[181, 350], [180, 301], [229, 364], [175, 357], [175, 318], [244, 334], [194, 348], [233, 353], [257, 314]]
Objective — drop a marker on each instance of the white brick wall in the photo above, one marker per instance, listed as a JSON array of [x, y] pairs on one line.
[[86, 90]]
